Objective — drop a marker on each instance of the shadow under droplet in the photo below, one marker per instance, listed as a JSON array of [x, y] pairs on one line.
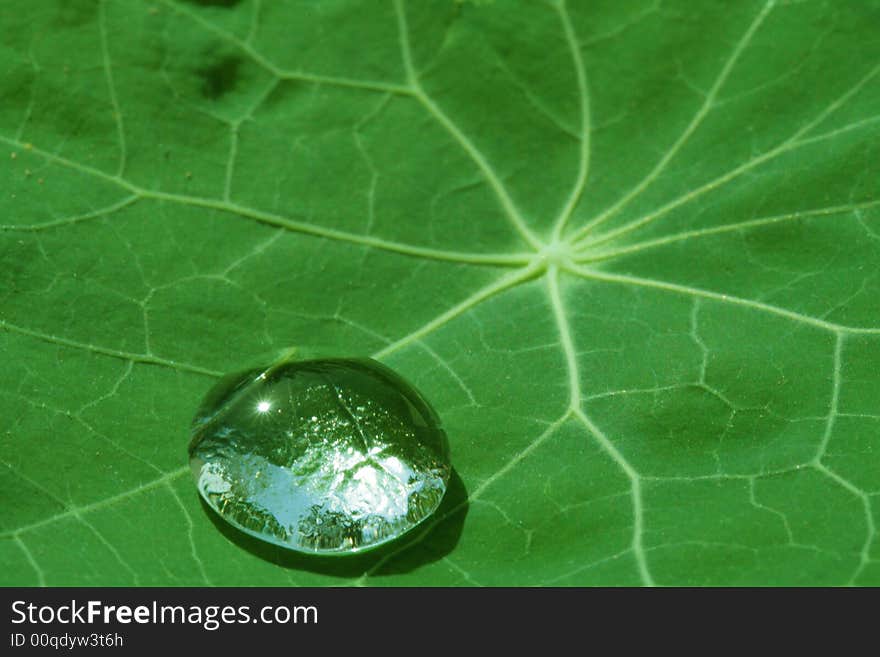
[[410, 551]]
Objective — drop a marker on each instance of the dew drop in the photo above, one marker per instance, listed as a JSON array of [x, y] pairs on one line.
[[331, 456]]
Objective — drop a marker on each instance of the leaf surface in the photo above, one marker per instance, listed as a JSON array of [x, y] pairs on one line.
[[629, 250]]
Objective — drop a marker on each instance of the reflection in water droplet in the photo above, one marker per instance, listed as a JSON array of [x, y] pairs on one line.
[[329, 456]]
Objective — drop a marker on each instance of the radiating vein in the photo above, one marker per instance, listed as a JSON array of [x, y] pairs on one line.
[[511, 211], [818, 464], [796, 140], [499, 259], [564, 328], [500, 285], [583, 94], [624, 279], [607, 446], [740, 226], [496, 259], [695, 122]]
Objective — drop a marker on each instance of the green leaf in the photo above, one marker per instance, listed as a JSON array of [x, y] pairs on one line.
[[629, 250]]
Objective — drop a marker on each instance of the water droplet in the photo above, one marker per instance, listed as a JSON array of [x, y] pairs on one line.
[[356, 458]]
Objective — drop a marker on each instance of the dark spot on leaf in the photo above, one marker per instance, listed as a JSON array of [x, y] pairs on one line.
[[75, 13], [226, 4], [220, 78]]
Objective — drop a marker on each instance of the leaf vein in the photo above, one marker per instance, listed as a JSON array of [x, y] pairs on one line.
[[795, 141], [726, 228], [148, 359], [586, 129], [607, 446], [689, 130], [511, 211], [594, 274]]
